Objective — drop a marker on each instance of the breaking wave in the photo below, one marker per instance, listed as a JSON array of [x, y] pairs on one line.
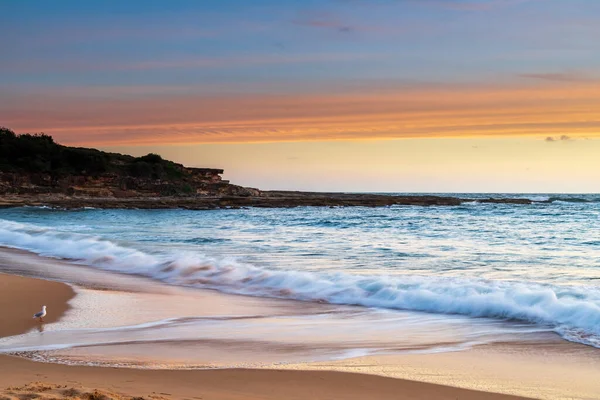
[[568, 199], [573, 312]]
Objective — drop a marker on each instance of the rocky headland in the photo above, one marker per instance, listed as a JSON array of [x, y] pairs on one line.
[[36, 171]]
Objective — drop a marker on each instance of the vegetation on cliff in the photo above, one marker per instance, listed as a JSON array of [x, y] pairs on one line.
[[39, 153], [34, 164]]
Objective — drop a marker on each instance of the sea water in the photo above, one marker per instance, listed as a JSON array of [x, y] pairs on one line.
[[535, 266]]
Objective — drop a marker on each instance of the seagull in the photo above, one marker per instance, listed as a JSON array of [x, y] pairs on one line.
[[41, 314]]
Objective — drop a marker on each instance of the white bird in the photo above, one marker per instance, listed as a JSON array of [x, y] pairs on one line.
[[41, 314]]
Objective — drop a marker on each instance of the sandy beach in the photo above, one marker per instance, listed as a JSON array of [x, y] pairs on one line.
[[300, 200], [105, 308], [21, 296]]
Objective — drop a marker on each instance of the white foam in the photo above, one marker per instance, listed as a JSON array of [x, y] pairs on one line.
[[539, 198], [566, 309]]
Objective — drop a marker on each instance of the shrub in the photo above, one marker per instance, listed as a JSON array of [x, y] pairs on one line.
[[151, 158]]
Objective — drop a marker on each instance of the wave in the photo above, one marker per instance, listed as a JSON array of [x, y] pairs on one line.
[[568, 199], [205, 240], [573, 312], [539, 199], [565, 198]]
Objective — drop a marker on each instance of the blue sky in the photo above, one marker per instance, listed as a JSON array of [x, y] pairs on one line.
[[158, 42]]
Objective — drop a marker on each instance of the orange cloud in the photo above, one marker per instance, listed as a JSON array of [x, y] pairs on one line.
[[420, 111]]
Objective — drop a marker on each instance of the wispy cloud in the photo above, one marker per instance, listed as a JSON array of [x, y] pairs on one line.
[[181, 63], [561, 138], [189, 117], [471, 5], [324, 21], [559, 76], [327, 21]]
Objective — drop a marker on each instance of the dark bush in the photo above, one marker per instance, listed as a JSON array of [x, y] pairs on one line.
[[151, 158], [141, 169], [40, 154]]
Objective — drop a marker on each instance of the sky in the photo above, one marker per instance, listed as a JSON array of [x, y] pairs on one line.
[[333, 95]]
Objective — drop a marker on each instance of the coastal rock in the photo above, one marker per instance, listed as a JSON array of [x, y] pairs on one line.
[[241, 198], [193, 181]]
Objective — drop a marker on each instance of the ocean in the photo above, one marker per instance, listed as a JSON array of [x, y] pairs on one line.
[[476, 272]]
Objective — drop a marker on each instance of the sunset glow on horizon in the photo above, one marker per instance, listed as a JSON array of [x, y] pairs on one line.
[[402, 95]]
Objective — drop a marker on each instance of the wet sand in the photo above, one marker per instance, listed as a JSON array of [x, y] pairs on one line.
[[23, 296], [545, 370]]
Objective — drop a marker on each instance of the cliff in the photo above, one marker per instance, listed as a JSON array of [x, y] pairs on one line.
[[36, 165]]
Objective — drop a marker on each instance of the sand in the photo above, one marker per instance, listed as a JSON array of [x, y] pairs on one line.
[[24, 379], [552, 370], [21, 297]]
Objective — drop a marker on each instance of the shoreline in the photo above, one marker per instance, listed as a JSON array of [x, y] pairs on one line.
[[267, 199], [20, 297], [215, 384], [545, 369]]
